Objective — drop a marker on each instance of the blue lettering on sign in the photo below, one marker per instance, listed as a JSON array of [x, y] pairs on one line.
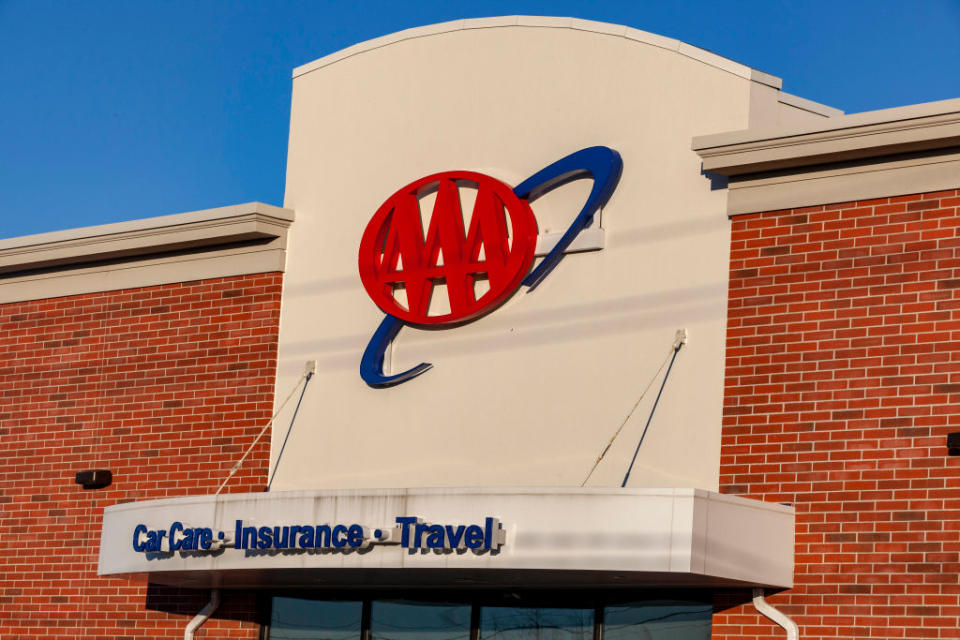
[[405, 530], [409, 532], [356, 535], [339, 536], [455, 535], [149, 541], [474, 537], [138, 543]]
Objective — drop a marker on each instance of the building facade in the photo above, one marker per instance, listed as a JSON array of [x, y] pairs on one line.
[[840, 383], [668, 353]]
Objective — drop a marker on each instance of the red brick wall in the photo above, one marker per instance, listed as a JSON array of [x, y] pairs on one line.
[[166, 386], [842, 382]]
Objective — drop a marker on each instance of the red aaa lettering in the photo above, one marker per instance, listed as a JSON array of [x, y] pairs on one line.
[[497, 246]]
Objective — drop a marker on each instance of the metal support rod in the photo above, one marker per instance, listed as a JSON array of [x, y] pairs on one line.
[[676, 349], [309, 375]]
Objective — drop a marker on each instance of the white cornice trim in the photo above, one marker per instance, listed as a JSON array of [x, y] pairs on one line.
[[808, 105], [145, 237], [591, 26], [920, 127], [847, 183], [156, 222]]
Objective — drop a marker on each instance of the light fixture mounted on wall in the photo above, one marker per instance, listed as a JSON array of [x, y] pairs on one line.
[[94, 479], [953, 443]]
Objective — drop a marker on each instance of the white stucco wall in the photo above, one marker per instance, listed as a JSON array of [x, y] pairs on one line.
[[529, 394]]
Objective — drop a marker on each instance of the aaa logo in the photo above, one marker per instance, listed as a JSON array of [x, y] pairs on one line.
[[463, 262], [478, 267]]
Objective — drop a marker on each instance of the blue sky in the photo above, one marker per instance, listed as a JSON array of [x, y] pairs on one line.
[[118, 110]]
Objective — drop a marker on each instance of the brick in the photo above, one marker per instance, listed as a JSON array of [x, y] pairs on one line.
[[859, 448], [138, 388]]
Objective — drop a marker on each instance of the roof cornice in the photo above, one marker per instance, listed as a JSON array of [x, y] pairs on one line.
[[916, 128], [145, 237]]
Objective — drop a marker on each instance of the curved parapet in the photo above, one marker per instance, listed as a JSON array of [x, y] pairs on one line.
[[547, 22], [527, 389]]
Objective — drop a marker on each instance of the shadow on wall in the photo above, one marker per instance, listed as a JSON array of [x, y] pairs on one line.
[[717, 181], [240, 606], [671, 232], [666, 310]]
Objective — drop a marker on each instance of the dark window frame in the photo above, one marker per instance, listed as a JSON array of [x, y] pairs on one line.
[[596, 599]]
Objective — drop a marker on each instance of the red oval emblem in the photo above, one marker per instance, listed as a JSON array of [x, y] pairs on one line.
[[477, 262]]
